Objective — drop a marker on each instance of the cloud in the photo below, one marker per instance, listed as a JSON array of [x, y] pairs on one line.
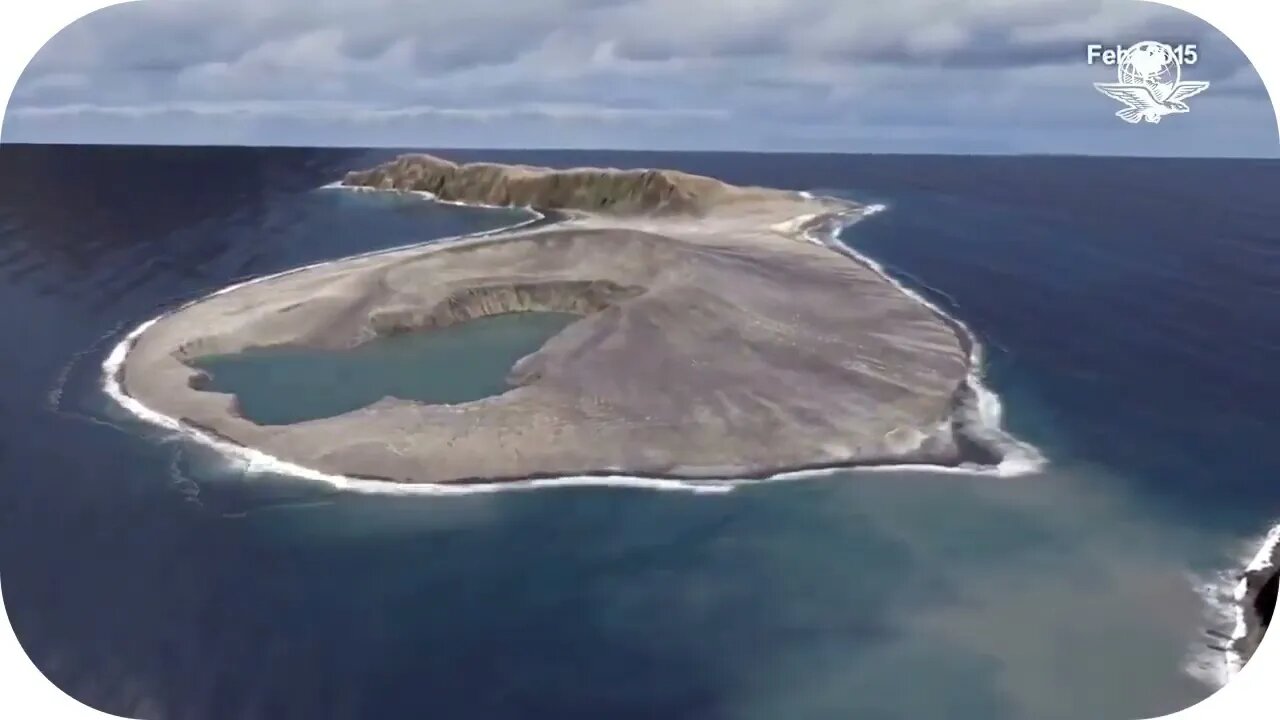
[[353, 112], [759, 70]]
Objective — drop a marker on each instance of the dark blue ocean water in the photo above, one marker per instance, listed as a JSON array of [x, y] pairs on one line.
[[1131, 313]]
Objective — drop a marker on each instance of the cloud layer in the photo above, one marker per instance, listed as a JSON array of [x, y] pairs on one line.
[[840, 75]]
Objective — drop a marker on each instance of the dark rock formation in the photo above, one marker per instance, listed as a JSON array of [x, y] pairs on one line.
[[1264, 604]]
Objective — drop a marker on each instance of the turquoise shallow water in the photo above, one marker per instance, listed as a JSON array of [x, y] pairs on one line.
[[460, 363], [1129, 335]]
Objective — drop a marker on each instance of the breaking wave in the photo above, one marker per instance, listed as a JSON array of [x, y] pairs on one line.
[[1226, 599], [981, 414]]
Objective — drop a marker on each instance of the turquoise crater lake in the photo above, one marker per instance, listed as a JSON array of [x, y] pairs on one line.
[[455, 364]]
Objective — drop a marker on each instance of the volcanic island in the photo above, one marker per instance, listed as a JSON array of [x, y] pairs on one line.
[[717, 337]]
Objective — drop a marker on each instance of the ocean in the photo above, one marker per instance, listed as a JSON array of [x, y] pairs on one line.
[[1127, 310]]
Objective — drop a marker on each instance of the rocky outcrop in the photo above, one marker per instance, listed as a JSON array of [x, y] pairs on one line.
[[1258, 606], [1264, 604], [597, 190]]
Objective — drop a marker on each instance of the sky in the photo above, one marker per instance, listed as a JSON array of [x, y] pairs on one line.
[[915, 76]]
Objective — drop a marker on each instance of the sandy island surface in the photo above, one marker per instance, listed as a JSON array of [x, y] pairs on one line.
[[716, 339]]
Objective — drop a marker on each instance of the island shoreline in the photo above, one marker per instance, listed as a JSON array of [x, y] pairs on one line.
[[973, 399]]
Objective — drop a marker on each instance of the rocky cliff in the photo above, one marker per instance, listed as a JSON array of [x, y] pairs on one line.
[[596, 190]]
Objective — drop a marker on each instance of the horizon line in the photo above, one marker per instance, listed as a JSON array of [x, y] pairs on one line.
[[552, 148]]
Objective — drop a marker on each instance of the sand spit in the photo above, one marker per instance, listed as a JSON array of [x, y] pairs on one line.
[[715, 339]]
